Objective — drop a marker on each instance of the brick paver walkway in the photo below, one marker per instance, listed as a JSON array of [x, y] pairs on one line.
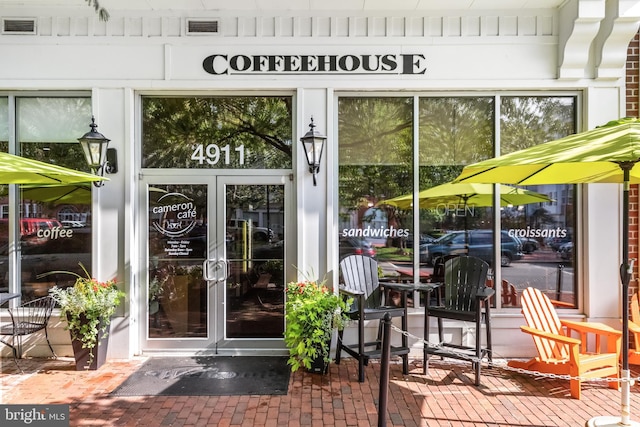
[[445, 397]]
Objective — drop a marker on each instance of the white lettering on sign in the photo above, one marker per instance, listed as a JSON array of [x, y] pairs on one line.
[[538, 232], [212, 154], [55, 233], [178, 248], [376, 233], [177, 217], [455, 209]]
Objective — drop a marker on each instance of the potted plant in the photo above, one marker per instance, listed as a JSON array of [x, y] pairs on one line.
[[156, 288], [87, 306], [312, 312]]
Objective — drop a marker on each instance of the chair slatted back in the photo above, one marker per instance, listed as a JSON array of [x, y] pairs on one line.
[[32, 316], [438, 267], [540, 314], [360, 274], [464, 276]]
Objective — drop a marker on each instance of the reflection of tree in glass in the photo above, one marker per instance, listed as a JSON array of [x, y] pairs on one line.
[[375, 150], [375, 131], [66, 155], [539, 218], [173, 127], [4, 124], [49, 129], [252, 197], [455, 131], [531, 120]]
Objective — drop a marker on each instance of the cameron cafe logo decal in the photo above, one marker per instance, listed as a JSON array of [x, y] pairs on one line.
[[176, 215], [403, 64]]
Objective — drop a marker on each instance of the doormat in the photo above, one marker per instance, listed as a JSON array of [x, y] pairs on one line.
[[208, 376]]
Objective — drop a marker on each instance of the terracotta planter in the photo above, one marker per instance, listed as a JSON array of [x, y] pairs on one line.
[[83, 355]]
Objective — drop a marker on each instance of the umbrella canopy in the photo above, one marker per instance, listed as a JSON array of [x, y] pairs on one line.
[[79, 194], [21, 170], [608, 153], [467, 194], [593, 156]]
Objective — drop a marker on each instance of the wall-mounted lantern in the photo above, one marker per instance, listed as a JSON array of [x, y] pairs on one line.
[[313, 143], [98, 156]]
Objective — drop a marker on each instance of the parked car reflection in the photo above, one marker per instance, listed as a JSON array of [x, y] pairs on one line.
[[529, 245], [480, 244], [356, 246], [566, 251]]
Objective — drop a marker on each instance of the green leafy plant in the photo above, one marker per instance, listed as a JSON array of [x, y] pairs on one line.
[[156, 288], [312, 312], [88, 306]]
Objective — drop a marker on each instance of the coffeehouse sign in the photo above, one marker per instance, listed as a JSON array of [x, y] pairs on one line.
[[397, 64]]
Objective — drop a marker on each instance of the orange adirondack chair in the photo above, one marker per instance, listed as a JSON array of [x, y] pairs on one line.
[[559, 352], [634, 327]]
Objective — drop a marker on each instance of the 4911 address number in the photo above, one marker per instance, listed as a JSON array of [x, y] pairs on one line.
[[213, 154]]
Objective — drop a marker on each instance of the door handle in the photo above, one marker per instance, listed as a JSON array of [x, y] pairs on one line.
[[205, 272], [225, 269], [218, 265]]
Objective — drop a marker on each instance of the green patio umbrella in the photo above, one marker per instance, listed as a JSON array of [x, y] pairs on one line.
[[78, 194], [21, 170], [467, 194], [609, 153]]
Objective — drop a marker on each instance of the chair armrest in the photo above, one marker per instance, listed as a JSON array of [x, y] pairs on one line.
[[402, 287], [561, 304], [553, 337], [591, 327], [485, 293], [349, 292]]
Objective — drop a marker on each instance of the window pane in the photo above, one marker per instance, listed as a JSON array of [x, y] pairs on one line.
[[546, 230], [4, 124], [53, 119], [55, 222], [4, 206], [375, 164], [217, 133], [454, 132]]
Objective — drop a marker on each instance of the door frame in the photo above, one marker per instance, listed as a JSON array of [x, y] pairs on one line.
[[215, 343]]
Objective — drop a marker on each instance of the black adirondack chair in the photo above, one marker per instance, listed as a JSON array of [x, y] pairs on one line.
[[466, 298], [360, 281]]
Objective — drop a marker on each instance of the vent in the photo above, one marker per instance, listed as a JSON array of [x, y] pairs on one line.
[[18, 26], [203, 27]]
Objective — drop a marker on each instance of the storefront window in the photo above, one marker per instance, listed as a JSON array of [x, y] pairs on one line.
[[454, 132], [217, 133], [54, 222], [376, 193], [546, 230], [375, 164]]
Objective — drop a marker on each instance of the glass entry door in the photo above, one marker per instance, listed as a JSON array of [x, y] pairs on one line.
[[216, 251]]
